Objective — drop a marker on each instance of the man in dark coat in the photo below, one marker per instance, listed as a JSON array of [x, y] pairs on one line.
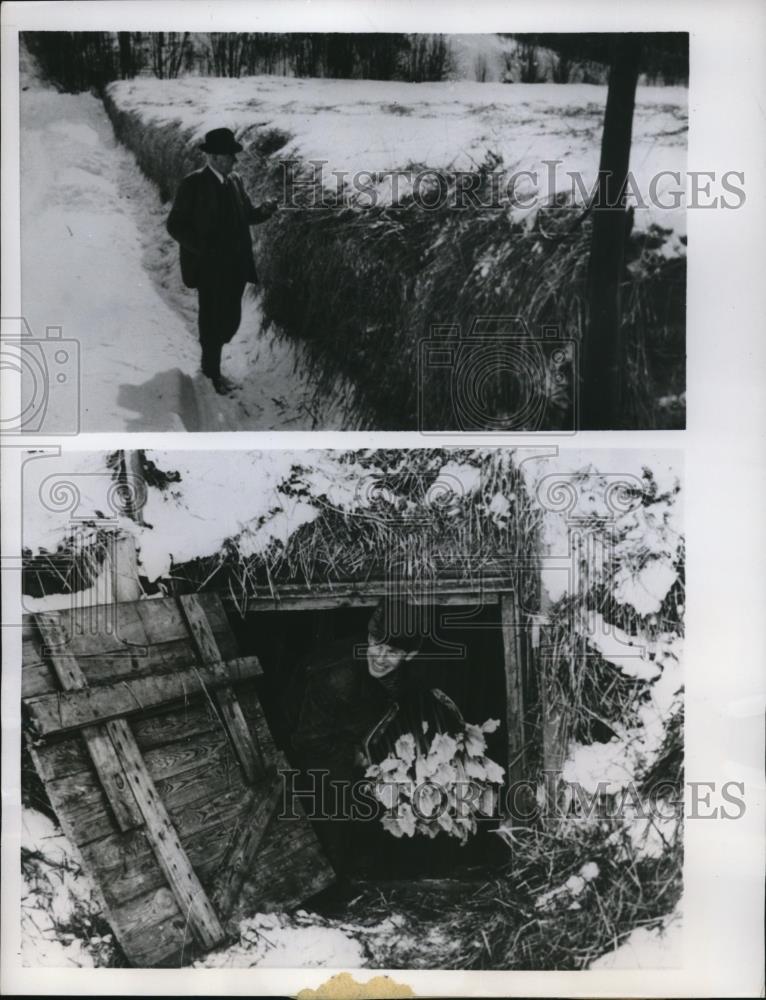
[[211, 219]]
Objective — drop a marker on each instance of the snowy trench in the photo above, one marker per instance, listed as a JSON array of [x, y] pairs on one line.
[[98, 263]]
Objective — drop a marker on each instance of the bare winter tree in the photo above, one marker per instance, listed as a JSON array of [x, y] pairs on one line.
[[129, 43], [229, 52], [528, 60], [168, 49], [562, 68], [480, 68], [430, 58]]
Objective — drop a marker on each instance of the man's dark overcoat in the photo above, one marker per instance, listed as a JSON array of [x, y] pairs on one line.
[[211, 222]]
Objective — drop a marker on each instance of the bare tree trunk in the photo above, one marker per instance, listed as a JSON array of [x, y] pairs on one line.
[[602, 349], [126, 54], [178, 51], [158, 54]]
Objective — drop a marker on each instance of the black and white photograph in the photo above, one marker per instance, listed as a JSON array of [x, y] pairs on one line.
[[381, 466], [331, 231], [412, 709]]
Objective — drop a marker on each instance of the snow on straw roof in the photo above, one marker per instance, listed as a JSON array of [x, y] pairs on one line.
[[214, 499], [577, 486], [258, 498], [258, 505]]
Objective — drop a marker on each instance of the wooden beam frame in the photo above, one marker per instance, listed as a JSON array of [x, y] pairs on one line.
[[97, 738], [138, 766], [119, 760], [244, 842], [75, 709], [232, 716], [328, 596], [191, 898], [510, 619]]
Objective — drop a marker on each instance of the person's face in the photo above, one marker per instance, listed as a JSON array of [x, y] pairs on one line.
[[223, 162], [383, 659]]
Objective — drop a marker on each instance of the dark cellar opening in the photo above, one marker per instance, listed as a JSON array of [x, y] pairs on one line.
[[463, 657]]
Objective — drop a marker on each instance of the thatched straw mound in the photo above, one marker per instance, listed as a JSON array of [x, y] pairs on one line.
[[418, 517], [367, 288], [362, 289]]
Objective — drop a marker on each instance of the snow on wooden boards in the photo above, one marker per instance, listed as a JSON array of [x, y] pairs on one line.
[[197, 773]]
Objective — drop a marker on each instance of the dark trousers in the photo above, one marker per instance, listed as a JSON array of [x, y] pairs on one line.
[[220, 312]]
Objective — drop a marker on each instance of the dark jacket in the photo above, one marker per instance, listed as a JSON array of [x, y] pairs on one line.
[[211, 222], [341, 704]]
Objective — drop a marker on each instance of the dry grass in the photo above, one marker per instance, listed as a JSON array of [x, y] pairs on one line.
[[48, 880], [408, 531], [362, 288], [495, 923], [75, 565], [164, 154]]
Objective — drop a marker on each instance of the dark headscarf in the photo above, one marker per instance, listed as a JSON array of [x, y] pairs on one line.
[[400, 624]]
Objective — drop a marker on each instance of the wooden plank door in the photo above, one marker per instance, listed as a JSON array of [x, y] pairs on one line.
[[156, 756]]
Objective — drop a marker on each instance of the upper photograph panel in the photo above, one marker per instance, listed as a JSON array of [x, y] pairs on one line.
[[435, 233]]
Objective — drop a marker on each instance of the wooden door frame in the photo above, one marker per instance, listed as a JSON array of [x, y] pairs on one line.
[[493, 591]]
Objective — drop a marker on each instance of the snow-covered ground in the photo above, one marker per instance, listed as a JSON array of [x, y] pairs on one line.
[[97, 262], [62, 923], [279, 941], [378, 126], [649, 948]]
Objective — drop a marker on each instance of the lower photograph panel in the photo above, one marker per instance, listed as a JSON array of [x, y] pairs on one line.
[[376, 708]]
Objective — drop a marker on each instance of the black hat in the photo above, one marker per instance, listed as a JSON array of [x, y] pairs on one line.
[[220, 140]]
